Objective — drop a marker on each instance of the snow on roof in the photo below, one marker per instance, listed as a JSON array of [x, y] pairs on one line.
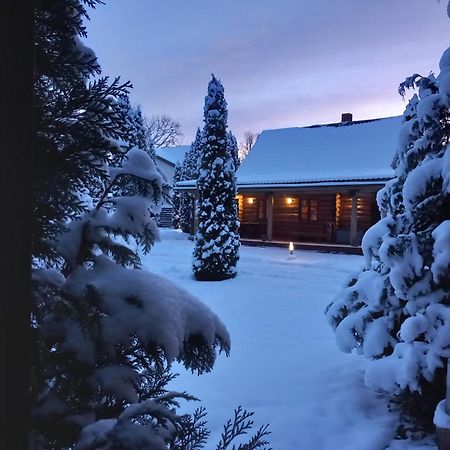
[[173, 154], [361, 150]]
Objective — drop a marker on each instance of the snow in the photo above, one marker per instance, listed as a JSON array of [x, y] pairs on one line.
[[175, 315], [95, 433], [441, 418], [284, 364], [323, 153], [174, 154], [441, 250], [139, 164]]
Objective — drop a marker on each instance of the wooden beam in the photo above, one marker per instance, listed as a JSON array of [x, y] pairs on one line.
[[269, 232], [354, 220]]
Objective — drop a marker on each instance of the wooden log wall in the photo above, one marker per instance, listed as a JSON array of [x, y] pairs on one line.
[[367, 211], [289, 225], [253, 216]]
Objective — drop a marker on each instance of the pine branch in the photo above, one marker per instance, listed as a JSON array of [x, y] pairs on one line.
[[239, 426]]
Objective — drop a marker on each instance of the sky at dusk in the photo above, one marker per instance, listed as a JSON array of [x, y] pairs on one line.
[[283, 63]]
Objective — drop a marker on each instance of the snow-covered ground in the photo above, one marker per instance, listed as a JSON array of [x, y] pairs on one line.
[[284, 363]]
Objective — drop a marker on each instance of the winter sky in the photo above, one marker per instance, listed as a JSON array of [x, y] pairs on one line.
[[283, 63]]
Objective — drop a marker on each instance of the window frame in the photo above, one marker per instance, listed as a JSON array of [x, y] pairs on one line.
[[308, 210]]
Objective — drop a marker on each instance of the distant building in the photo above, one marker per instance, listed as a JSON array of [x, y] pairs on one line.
[[166, 159], [315, 184]]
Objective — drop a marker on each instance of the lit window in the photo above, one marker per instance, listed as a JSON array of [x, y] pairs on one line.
[[308, 210]]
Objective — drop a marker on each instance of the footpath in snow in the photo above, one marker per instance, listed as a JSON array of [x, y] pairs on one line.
[[284, 363]]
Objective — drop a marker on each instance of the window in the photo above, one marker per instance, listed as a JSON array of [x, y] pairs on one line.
[[309, 210]]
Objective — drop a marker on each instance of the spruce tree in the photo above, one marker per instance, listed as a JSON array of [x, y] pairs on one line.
[[217, 240], [193, 157], [232, 148], [190, 172], [396, 311], [176, 196], [105, 332]]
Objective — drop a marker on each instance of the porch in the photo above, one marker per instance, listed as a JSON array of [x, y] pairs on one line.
[[324, 220]]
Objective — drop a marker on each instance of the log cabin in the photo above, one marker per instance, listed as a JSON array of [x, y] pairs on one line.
[[315, 184]]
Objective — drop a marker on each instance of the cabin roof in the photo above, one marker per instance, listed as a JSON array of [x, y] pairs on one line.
[[333, 153], [173, 155]]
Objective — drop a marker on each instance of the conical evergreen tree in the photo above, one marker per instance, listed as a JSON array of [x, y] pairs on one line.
[[217, 240], [396, 311], [192, 160], [176, 196], [190, 172], [232, 148]]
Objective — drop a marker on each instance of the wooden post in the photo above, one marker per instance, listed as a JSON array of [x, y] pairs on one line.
[[354, 220], [269, 233]]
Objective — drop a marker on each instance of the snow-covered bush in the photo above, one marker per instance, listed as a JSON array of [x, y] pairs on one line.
[[396, 312], [104, 331], [217, 239]]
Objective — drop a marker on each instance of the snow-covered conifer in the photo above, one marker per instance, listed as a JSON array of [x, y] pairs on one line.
[[217, 240], [192, 160], [396, 311], [105, 332], [176, 196], [232, 148], [190, 172]]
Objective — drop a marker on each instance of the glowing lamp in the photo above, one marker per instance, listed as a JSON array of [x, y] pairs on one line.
[[251, 200], [289, 200], [291, 248]]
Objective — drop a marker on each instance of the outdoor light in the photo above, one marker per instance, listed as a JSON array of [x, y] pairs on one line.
[[290, 200], [291, 248], [251, 200]]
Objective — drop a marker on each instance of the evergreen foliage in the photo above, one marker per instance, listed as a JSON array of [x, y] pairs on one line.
[[396, 311], [232, 149], [136, 126], [187, 212], [105, 332], [190, 172], [176, 196], [192, 161], [217, 240], [239, 426]]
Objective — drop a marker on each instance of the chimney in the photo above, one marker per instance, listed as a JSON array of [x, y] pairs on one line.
[[347, 117]]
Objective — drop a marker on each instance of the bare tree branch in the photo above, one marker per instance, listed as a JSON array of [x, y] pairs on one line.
[[246, 145], [163, 131]]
